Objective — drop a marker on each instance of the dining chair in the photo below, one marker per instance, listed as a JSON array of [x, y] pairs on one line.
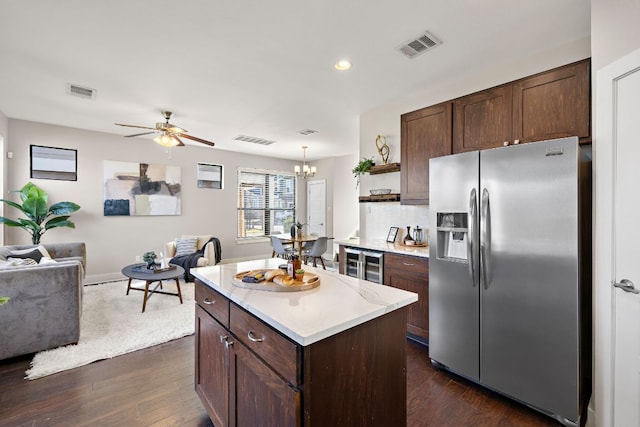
[[319, 247], [279, 249]]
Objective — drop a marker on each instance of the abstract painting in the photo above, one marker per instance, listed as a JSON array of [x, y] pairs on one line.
[[136, 189]]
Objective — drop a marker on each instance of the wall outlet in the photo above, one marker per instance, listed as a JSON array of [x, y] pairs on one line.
[[137, 258]]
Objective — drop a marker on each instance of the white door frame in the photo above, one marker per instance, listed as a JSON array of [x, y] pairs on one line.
[[604, 149]]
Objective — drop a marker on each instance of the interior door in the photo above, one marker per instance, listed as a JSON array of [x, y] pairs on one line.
[[626, 302], [617, 313], [317, 207]]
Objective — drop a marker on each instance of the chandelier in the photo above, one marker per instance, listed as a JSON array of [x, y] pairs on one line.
[[306, 170]]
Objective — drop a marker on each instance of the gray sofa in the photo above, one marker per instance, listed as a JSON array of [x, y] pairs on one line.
[[46, 300]]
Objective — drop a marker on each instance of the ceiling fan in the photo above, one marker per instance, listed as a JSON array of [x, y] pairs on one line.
[[170, 134]]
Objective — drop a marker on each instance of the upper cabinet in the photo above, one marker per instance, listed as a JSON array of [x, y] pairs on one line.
[[482, 120], [425, 134], [553, 104], [548, 105]]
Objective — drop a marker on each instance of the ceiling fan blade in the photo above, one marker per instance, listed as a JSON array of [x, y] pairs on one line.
[[134, 126], [138, 134], [193, 138], [175, 129], [180, 143]]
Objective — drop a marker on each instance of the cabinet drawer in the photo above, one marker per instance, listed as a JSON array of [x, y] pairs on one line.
[[406, 263], [280, 353], [213, 303]]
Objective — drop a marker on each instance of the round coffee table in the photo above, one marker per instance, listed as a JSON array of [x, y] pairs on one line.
[[140, 272]]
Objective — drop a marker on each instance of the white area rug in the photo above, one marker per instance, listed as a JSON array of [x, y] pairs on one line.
[[113, 324]]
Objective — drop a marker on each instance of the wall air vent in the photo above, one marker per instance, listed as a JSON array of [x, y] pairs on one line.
[[253, 140], [307, 132], [81, 92], [419, 45]]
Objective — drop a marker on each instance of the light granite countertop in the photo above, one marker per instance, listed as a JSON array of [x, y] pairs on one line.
[[381, 245], [340, 302]]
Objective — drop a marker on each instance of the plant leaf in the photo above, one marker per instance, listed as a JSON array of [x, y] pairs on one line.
[[36, 209], [63, 208], [60, 221], [9, 222]]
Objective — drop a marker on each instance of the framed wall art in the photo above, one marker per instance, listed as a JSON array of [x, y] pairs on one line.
[[53, 163], [209, 176], [135, 189], [393, 234]]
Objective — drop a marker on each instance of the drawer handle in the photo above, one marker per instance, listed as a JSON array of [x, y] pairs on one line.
[[208, 301], [228, 344], [223, 338], [408, 264], [253, 338]]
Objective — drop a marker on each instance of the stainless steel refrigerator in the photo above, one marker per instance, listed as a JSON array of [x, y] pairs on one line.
[[510, 272]]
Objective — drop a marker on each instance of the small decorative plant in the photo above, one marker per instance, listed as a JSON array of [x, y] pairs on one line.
[[299, 273], [361, 168], [40, 218], [299, 226], [4, 300], [149, 258]]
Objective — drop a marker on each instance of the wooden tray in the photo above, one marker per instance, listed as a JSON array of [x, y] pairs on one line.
[[417, 245], [309, 281]]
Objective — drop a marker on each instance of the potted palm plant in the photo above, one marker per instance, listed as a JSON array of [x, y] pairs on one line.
[[40, 216]]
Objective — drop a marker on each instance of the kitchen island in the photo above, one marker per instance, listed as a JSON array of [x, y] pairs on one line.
[[332, 355]]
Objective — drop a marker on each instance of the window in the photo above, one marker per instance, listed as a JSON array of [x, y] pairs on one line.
[[266, 202]]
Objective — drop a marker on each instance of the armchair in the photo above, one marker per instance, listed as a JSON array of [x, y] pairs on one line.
[[46, 300], [210, 253]]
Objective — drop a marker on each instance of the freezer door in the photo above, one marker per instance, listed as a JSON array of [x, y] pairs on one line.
[[529, 278], [453, 263]]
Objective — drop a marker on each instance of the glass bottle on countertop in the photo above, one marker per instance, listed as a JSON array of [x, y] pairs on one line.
[[293, 265], [418, 235]]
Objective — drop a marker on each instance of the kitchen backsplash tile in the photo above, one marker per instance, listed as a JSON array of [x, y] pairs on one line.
[[377, 218]]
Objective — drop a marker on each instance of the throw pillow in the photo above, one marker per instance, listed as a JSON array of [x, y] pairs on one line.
[[186, 246], [34, 253], [21, 261]]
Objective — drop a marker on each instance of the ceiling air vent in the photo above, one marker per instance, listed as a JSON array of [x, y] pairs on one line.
[[253, 140], [419, 45], [307, 132], [81, 92]]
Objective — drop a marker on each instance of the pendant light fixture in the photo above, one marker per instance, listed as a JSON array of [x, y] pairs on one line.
[[306, 171]]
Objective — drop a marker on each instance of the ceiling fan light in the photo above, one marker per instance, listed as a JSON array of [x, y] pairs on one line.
[[166, 140]]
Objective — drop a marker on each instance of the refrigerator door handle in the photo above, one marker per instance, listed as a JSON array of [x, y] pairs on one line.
[[485, 238], [471, 235]]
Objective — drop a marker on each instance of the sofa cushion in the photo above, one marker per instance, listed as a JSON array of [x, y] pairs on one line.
[[186, 246]]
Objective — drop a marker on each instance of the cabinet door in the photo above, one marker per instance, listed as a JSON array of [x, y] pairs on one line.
[[553, 104], [482, 120], [425, 134], [260, 396], [411, 274], [212, 367]]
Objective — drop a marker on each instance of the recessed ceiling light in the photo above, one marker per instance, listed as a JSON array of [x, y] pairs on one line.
[[342, 65]]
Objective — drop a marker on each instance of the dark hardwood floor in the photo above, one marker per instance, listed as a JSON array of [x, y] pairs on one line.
[[154, 387]]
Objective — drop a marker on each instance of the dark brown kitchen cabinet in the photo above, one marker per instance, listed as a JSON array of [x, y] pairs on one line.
[[482, 120], [548, 105], [261, 396], [212, 376], [553, 104], [411, 273], [425, 134], [248, 373]]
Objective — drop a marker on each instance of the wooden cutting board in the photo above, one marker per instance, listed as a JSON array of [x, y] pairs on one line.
[[309, 281]]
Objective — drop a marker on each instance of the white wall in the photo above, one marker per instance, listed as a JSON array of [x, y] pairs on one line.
[[4, 132], [376, 218], [113, 242]]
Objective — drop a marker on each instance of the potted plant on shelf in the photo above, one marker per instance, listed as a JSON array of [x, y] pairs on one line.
[[361, 168], [40, 218]]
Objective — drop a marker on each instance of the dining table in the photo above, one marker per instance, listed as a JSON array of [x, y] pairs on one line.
[[300, 240]]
